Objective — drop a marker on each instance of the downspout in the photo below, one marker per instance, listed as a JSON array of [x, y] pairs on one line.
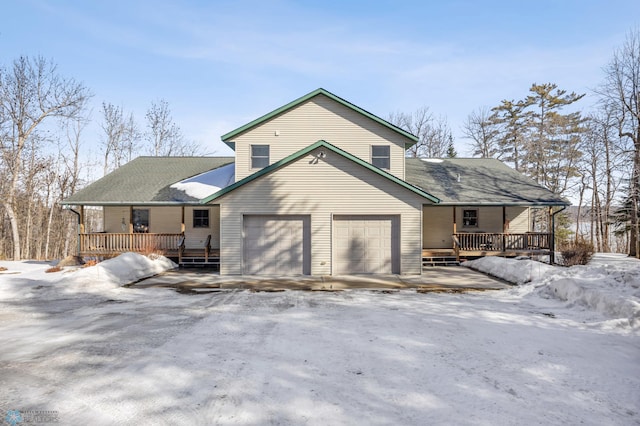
[[78, 230], [552, 243]]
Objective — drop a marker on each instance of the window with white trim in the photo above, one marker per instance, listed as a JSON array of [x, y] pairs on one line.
[[381, 156], [259, 156], [201, 218], [470, 218]]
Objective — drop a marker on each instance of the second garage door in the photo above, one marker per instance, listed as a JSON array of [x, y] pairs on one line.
[[276, 245], [366, 245]]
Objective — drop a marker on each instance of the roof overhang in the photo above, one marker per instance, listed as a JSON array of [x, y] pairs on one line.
[[130, 203], [498, 204]]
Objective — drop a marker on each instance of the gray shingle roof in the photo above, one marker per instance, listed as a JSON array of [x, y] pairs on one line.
[[482, 181], [146, 180]]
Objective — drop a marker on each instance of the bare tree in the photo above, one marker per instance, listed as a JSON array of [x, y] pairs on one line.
[[120, 136], [164, 136], [621, 91], [31, 92], [434, 134], [480, 126]]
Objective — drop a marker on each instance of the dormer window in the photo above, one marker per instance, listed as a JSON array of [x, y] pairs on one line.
[[259, 156], [380, 156]]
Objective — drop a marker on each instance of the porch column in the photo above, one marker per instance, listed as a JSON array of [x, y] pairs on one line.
[[505, 228], [131, 219], [456, 248], [82, 219], [182, 226], [454, 221], [552, 236]]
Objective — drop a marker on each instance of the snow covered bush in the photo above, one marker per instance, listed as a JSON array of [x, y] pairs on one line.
[[576, 253]]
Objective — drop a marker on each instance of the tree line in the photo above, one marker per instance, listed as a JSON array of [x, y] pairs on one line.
[[593, 156], [42, 118]]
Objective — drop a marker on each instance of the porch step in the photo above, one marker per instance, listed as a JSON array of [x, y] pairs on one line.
[[444, 260], [200, 261]]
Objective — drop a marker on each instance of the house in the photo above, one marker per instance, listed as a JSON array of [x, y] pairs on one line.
[[317, 187]]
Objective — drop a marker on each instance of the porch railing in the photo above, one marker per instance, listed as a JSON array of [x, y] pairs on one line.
[[109, 243], [530, 241]]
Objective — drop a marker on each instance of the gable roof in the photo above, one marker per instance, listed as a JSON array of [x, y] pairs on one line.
[[146, 181], [226, 138], [477, 181], [307, 150]]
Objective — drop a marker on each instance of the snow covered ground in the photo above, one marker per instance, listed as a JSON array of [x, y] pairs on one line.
[[561, 348]]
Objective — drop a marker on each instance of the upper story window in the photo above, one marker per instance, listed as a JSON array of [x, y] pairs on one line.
[[470, 218], [380, 156], [259, 156], [201, 218]]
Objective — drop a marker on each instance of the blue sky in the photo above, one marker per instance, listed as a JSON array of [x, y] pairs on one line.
[[220, 64]]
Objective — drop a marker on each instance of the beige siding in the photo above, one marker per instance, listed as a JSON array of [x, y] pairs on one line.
[[518, 218], [437, 227], [162, 220], [319, 118], [196, 237], [113, 217], [438, 223], [333, 186]]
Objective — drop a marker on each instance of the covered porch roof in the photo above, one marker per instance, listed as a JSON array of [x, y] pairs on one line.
[[477, 182]]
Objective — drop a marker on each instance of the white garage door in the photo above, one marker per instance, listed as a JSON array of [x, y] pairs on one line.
[[276, 245], [365, 245]]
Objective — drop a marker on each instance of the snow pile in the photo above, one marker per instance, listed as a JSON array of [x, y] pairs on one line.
[[28, 279], [519, 271], [205, 184], [612, 290], [113, 273], [609, 285]]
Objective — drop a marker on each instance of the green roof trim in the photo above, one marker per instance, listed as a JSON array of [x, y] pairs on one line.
[[307, 150], [225, 138]]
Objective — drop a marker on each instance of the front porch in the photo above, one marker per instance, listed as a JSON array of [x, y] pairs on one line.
[[171, 245], [480, 244]]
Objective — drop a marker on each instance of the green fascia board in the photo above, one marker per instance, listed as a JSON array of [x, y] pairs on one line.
[[305, 151], [496, 204], [225, 138], [130, 203]]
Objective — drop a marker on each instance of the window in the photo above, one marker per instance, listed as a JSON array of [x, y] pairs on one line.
[[140, 220], [380, 156], [201, 218], [470, 218], [259, 156]]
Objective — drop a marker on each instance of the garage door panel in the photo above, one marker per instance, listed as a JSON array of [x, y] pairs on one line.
[[365, 244], [276, 245]]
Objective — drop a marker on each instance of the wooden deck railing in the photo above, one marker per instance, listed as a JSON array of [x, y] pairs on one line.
[[108, 243], [486, 242]]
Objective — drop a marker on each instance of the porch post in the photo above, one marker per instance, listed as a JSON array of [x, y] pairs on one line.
[[552, 242], [82, 219], [505, 228], [456, 248], [130, 228], [131, 219], [454, 220], [182, 226]]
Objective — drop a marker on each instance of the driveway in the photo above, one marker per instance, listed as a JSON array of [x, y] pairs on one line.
[[448, 279]]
